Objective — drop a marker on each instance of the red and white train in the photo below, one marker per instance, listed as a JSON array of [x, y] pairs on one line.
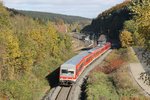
[[71, 70]]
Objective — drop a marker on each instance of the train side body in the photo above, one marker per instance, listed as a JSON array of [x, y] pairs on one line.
[[71, 70]]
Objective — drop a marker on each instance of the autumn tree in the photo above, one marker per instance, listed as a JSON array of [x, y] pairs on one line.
[[133, 28], [11, 55], [28, 50], [3, 16], [141, 11], [126, 38]]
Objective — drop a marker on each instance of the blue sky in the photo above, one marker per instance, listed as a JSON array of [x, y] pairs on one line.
[[84, 8]]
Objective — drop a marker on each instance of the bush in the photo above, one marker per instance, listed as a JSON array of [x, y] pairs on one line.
[[100, 86], [27, 88], [114, 65]]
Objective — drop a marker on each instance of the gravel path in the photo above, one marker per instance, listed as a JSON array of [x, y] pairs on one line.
[[136, 70]]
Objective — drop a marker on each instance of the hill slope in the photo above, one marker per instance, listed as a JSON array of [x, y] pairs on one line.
[[53, 17], [29, 51], [110, 22]]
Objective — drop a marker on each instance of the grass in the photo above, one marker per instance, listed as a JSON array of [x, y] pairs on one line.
[[132, 58], [100, 87], [124, 84], [112, 81]]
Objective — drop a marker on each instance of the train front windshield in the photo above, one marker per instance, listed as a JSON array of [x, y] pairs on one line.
[[67, 72]]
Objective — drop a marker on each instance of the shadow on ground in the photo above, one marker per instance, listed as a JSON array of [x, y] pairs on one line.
[[83, 95], [53, 78]]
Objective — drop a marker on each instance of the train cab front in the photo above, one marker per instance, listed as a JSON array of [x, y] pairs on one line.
[[67, 77]]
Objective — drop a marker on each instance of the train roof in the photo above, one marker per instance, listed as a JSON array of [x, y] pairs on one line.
[[92, 50], [75, 60]]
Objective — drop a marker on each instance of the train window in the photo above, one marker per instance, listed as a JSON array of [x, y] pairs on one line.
[[97, 53], [81, 65], [64, 71], [70, 72], [89, 59]]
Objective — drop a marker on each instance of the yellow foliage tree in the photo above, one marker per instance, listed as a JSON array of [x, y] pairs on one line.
[[126, 38], [28, 49], [3, 16], [11, 54], [140, 38], [141, 8]]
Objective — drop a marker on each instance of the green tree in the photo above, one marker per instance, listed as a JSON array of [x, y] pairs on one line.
[[130, 26]]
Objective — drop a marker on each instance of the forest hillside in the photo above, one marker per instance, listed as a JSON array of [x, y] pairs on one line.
[[29, 51], [109, 22], [45, 16]]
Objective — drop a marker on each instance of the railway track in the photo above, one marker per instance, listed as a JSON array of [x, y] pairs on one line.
[[61, 93], [64, 93], [73, 92]]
